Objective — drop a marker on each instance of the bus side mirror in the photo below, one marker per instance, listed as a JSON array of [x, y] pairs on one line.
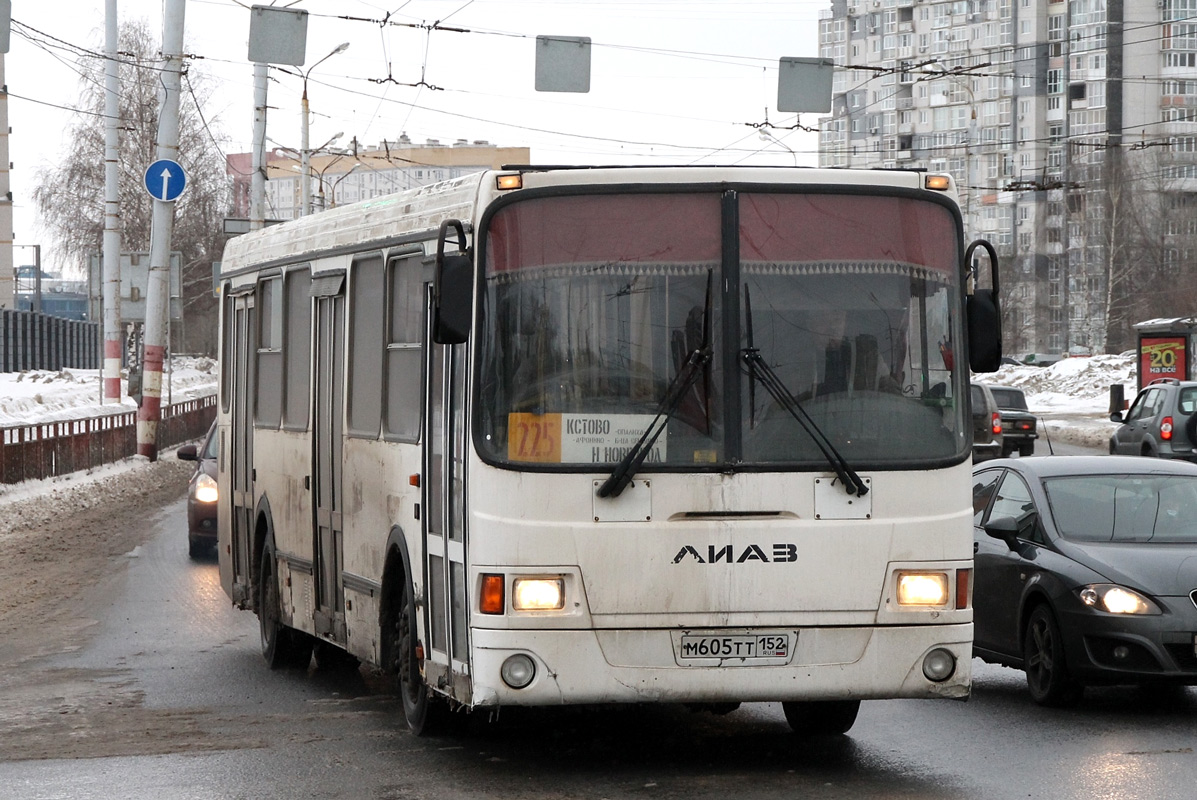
[[984, 317], [453, 290]]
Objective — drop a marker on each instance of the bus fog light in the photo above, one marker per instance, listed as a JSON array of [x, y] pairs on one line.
[[518, 671], [938, 665]]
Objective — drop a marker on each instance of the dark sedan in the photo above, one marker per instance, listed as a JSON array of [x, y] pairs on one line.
[[202, 494], [1086, 571]]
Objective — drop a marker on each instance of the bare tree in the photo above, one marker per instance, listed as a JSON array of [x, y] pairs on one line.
[[70, 195]]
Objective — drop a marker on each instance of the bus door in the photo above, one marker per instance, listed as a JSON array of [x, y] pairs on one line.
[[244, 352], [443, 533], [330, 356]]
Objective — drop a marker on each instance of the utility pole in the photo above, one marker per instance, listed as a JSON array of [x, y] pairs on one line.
[[7, 282], [257, 181], [158, 288], [111, 276]]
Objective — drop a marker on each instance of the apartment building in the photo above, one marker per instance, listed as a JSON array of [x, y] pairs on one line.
[[1070, 127], [347, 175]]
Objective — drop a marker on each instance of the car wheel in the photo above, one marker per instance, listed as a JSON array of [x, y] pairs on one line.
[[821, 717], [282, 647], [1043, 661], [330, 658], [1027, 449], [426, 715], [196, 549]]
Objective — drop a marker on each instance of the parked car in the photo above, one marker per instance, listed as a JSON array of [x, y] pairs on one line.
[[1160, 422], [202, 494], [1086, 571], [1019, 425], [987, 423]]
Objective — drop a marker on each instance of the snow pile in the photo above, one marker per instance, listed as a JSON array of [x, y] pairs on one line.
[[1072, 385], [48, 396]]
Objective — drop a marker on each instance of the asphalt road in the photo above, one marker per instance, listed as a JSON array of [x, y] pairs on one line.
[[166, 696]]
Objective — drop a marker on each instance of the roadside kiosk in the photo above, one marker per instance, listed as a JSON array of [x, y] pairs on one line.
[[1164, 348]]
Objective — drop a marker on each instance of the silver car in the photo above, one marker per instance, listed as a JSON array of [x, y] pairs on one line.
[[1160, 423]]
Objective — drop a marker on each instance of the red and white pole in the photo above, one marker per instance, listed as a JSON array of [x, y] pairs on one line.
[[158, 288]]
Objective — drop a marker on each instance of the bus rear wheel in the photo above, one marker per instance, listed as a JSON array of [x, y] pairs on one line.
[[426, 715], [282, 647], [821, 717]]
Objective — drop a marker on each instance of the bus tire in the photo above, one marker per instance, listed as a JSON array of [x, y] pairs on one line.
[[821, 717], [282, 647], [426, 715]]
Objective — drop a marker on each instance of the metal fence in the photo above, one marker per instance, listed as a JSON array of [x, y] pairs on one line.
[[47, 449], [32, 340]]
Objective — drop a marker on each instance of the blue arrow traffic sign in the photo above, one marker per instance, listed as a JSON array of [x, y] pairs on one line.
[[165, 180]]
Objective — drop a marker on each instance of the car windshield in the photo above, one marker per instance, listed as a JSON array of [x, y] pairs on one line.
[[1009, 398], [1124, 508], [594, 304]]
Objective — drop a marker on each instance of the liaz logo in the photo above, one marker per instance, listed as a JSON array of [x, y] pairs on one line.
[[781, 553]]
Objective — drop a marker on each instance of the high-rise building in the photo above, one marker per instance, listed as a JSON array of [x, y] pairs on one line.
[[1070, 127]]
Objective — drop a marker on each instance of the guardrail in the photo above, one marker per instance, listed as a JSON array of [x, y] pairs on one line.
[[48, 449]]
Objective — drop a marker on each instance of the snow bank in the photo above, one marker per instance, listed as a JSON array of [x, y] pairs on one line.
[[47, 396]]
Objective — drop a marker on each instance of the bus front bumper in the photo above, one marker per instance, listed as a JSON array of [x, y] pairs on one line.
[[636, 666]]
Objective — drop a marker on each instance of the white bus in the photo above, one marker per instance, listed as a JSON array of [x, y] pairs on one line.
[[545, 436]]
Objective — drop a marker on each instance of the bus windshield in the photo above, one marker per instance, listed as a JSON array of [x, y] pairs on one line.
[[594, 304]]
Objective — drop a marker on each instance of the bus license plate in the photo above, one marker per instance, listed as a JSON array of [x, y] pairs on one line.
[[731, 650]]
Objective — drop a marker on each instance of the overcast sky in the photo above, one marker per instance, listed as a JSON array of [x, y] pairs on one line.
[[672, 81]]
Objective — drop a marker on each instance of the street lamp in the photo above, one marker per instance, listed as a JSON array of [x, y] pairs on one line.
[[332, 189], [305, 178]]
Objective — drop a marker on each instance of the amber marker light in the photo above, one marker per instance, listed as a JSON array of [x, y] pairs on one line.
[[492, 594], [503, 182], [938, 182], [962, 581]]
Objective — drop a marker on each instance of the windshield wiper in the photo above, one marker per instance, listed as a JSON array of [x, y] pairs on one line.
[[775, 386], [681, 384]]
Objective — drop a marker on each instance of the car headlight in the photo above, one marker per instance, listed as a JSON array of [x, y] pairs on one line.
[[922, 588], [205, 489], [1116, 599]]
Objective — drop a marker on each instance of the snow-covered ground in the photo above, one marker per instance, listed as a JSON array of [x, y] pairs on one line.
[[1072, 397], [46, 396]]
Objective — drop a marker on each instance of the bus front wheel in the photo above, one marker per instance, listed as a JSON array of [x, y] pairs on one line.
[[821, 717], [282, 647], [425, 714]]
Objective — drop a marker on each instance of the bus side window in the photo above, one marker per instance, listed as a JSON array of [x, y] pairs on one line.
[[268, 400], [367, 303], [404, 359], [297, 352]]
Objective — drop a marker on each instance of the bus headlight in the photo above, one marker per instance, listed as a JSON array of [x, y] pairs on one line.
[[205, 489], [538, 594], [922, 588]]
